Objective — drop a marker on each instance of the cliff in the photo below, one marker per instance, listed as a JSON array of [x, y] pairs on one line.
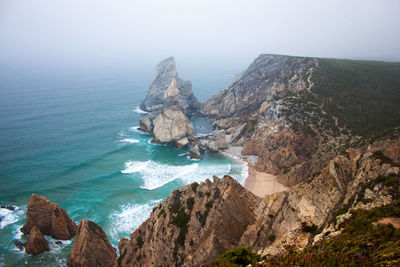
[[296, 113], [196, 222], [168, 89]]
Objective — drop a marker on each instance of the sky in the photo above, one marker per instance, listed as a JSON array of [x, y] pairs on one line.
[[201, 34]]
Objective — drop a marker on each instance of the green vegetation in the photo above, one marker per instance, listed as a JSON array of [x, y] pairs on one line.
[[362, 95], [181, 220], [360, 244], [139, 241], [194, 186], [272, 238], [209, 204], [240, 256], [190, 203], [312, 229]]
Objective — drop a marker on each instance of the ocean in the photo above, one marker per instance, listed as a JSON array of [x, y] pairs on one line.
[[75, 140]]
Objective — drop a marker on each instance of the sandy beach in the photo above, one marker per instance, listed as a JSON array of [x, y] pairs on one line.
[[259, 183]]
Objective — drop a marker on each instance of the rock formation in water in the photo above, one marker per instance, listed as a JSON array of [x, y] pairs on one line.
[[169, 126], [36, 242], [49, 218], [167, 89], [91, 247]]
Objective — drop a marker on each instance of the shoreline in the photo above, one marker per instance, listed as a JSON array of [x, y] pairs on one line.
[[259, 183]]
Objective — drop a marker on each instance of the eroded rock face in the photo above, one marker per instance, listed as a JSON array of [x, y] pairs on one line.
[[49, 218], [266, 77], [192, 226], [91, 247], [195, 224], [168, 89], [169, 126], [36, 242]]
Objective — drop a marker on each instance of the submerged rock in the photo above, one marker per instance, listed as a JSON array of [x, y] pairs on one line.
[[168, 89], [19, 245], [49, 218], [91, 247], [36, 242]]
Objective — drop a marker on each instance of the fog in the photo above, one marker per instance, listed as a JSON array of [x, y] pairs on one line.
[[201, 34]]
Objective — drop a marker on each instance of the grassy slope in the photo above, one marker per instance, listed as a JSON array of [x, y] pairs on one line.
[[363, 95]]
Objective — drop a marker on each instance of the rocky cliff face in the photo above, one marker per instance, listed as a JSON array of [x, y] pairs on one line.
[[192, 226], [91, 247], [169, 126], [296, 113], [256, 89], [198, 222], [168, 89], [49, 218]]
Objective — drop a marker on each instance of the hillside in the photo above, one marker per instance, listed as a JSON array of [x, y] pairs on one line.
[[326, 128]]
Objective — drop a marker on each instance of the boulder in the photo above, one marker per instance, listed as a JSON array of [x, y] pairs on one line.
[[168, 89], [36, 242], [91, 247], [195, 152], [169, 126], [181, 143], [49, 218]]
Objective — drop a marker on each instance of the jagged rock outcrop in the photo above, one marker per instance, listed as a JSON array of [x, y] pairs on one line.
[[91, 247], [196, 223], [269, 76], [49, 218], [169, 126], [36, 242], [167, 89], [192, 226]]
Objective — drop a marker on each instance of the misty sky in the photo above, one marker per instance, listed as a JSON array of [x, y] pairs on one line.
[[203, 33]]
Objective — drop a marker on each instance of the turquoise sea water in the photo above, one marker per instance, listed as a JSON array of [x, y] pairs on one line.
[[74, 140]]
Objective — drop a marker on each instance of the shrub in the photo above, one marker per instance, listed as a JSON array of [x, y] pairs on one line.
[[272, 238], [312, 229], [181, 220], [240, 256], [190, 203], [139, 241], [194, 186]]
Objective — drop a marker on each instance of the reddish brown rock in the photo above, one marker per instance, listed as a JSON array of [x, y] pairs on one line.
[[36, 242], [49, 218], [91, 247]]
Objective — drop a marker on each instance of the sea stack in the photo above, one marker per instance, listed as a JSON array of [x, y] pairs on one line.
[[91, 247], [49, 218], [167, 89]]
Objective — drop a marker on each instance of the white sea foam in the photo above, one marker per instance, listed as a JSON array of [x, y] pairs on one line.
[[130, 140], [129, 217], [135, 129], [155, 175], [139, 110], [135, 166], [17, 233], [9, 217]]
